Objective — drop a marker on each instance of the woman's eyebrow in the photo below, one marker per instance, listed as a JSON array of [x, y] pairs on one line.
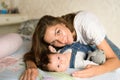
[[55, 35], [55, 30]]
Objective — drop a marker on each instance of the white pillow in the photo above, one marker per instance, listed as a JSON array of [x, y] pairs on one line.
[[27, 28], [9, 43]]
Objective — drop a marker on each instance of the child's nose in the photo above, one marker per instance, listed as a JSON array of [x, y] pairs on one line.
[[61, 61]]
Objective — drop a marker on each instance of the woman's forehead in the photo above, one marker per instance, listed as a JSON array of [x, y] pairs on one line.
[[54, 26], [49, 34]]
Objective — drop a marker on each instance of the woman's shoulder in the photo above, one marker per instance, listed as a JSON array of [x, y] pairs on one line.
[[84, 13], [83, 16]]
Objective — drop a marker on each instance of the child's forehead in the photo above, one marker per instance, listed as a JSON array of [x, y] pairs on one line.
[[55, 55]]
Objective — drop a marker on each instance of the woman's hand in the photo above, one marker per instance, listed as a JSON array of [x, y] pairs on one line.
[[89, 71], [31, 71], [112, 63], [29, 74]]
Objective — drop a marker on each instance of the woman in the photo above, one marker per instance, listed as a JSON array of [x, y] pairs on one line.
[[82, 27]]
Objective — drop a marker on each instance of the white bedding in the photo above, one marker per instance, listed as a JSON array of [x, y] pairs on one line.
[[11, 68]]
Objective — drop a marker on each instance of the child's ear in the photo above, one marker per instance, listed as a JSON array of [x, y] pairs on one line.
[[52, 49]]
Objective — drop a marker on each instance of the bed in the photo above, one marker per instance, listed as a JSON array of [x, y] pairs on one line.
[[11, 67]]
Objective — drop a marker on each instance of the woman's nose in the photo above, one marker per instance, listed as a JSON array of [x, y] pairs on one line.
[[61, 40]]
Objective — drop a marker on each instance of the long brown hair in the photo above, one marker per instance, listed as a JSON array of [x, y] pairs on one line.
[[38, 43]]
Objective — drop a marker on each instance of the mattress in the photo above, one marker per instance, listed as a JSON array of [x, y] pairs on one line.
[[11, 68]]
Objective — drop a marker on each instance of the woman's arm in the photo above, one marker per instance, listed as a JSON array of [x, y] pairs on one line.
[[31, 71], [112, 63]]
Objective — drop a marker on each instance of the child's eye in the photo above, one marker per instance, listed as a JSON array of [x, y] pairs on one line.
[[58, 58], [58, 66]]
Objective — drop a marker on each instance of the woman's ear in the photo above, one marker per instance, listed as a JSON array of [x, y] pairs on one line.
[[51, 48]]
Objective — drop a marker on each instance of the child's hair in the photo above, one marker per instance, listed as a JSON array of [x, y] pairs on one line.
[[45, 60]]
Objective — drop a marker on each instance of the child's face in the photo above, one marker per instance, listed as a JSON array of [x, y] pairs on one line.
[[58, 62]]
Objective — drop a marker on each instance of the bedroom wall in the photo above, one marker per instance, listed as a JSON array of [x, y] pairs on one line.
[[106, 10], [4, 29], [12, 27]]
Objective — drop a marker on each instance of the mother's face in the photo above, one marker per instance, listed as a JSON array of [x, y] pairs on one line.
[[58, 35]]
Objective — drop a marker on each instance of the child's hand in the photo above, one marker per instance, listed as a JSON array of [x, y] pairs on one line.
[[51, 48]]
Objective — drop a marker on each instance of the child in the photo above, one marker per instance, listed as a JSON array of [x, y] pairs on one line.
[[71, 56]]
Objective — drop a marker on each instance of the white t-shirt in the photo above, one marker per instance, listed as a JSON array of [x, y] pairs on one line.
[[88, 28]]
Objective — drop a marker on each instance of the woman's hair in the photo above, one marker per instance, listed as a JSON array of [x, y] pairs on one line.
[[69, 18], [39, 46]]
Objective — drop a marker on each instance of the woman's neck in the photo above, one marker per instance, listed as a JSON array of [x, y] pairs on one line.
[[74, 35]]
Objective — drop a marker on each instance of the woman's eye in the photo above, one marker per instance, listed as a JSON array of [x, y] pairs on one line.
[[58, 32]]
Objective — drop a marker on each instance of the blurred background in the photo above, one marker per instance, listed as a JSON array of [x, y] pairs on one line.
[[108, 12]]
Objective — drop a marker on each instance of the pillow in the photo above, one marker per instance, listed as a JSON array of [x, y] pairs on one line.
[[27, 28], [9, 43], [54, 76]]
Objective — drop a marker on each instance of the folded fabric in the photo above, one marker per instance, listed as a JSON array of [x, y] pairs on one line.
[[54, 76]]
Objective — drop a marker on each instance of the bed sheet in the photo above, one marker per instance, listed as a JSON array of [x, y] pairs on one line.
[[113, 75], [11, 68]]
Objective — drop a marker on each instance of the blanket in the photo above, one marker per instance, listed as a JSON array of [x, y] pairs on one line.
[[11, 68]]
